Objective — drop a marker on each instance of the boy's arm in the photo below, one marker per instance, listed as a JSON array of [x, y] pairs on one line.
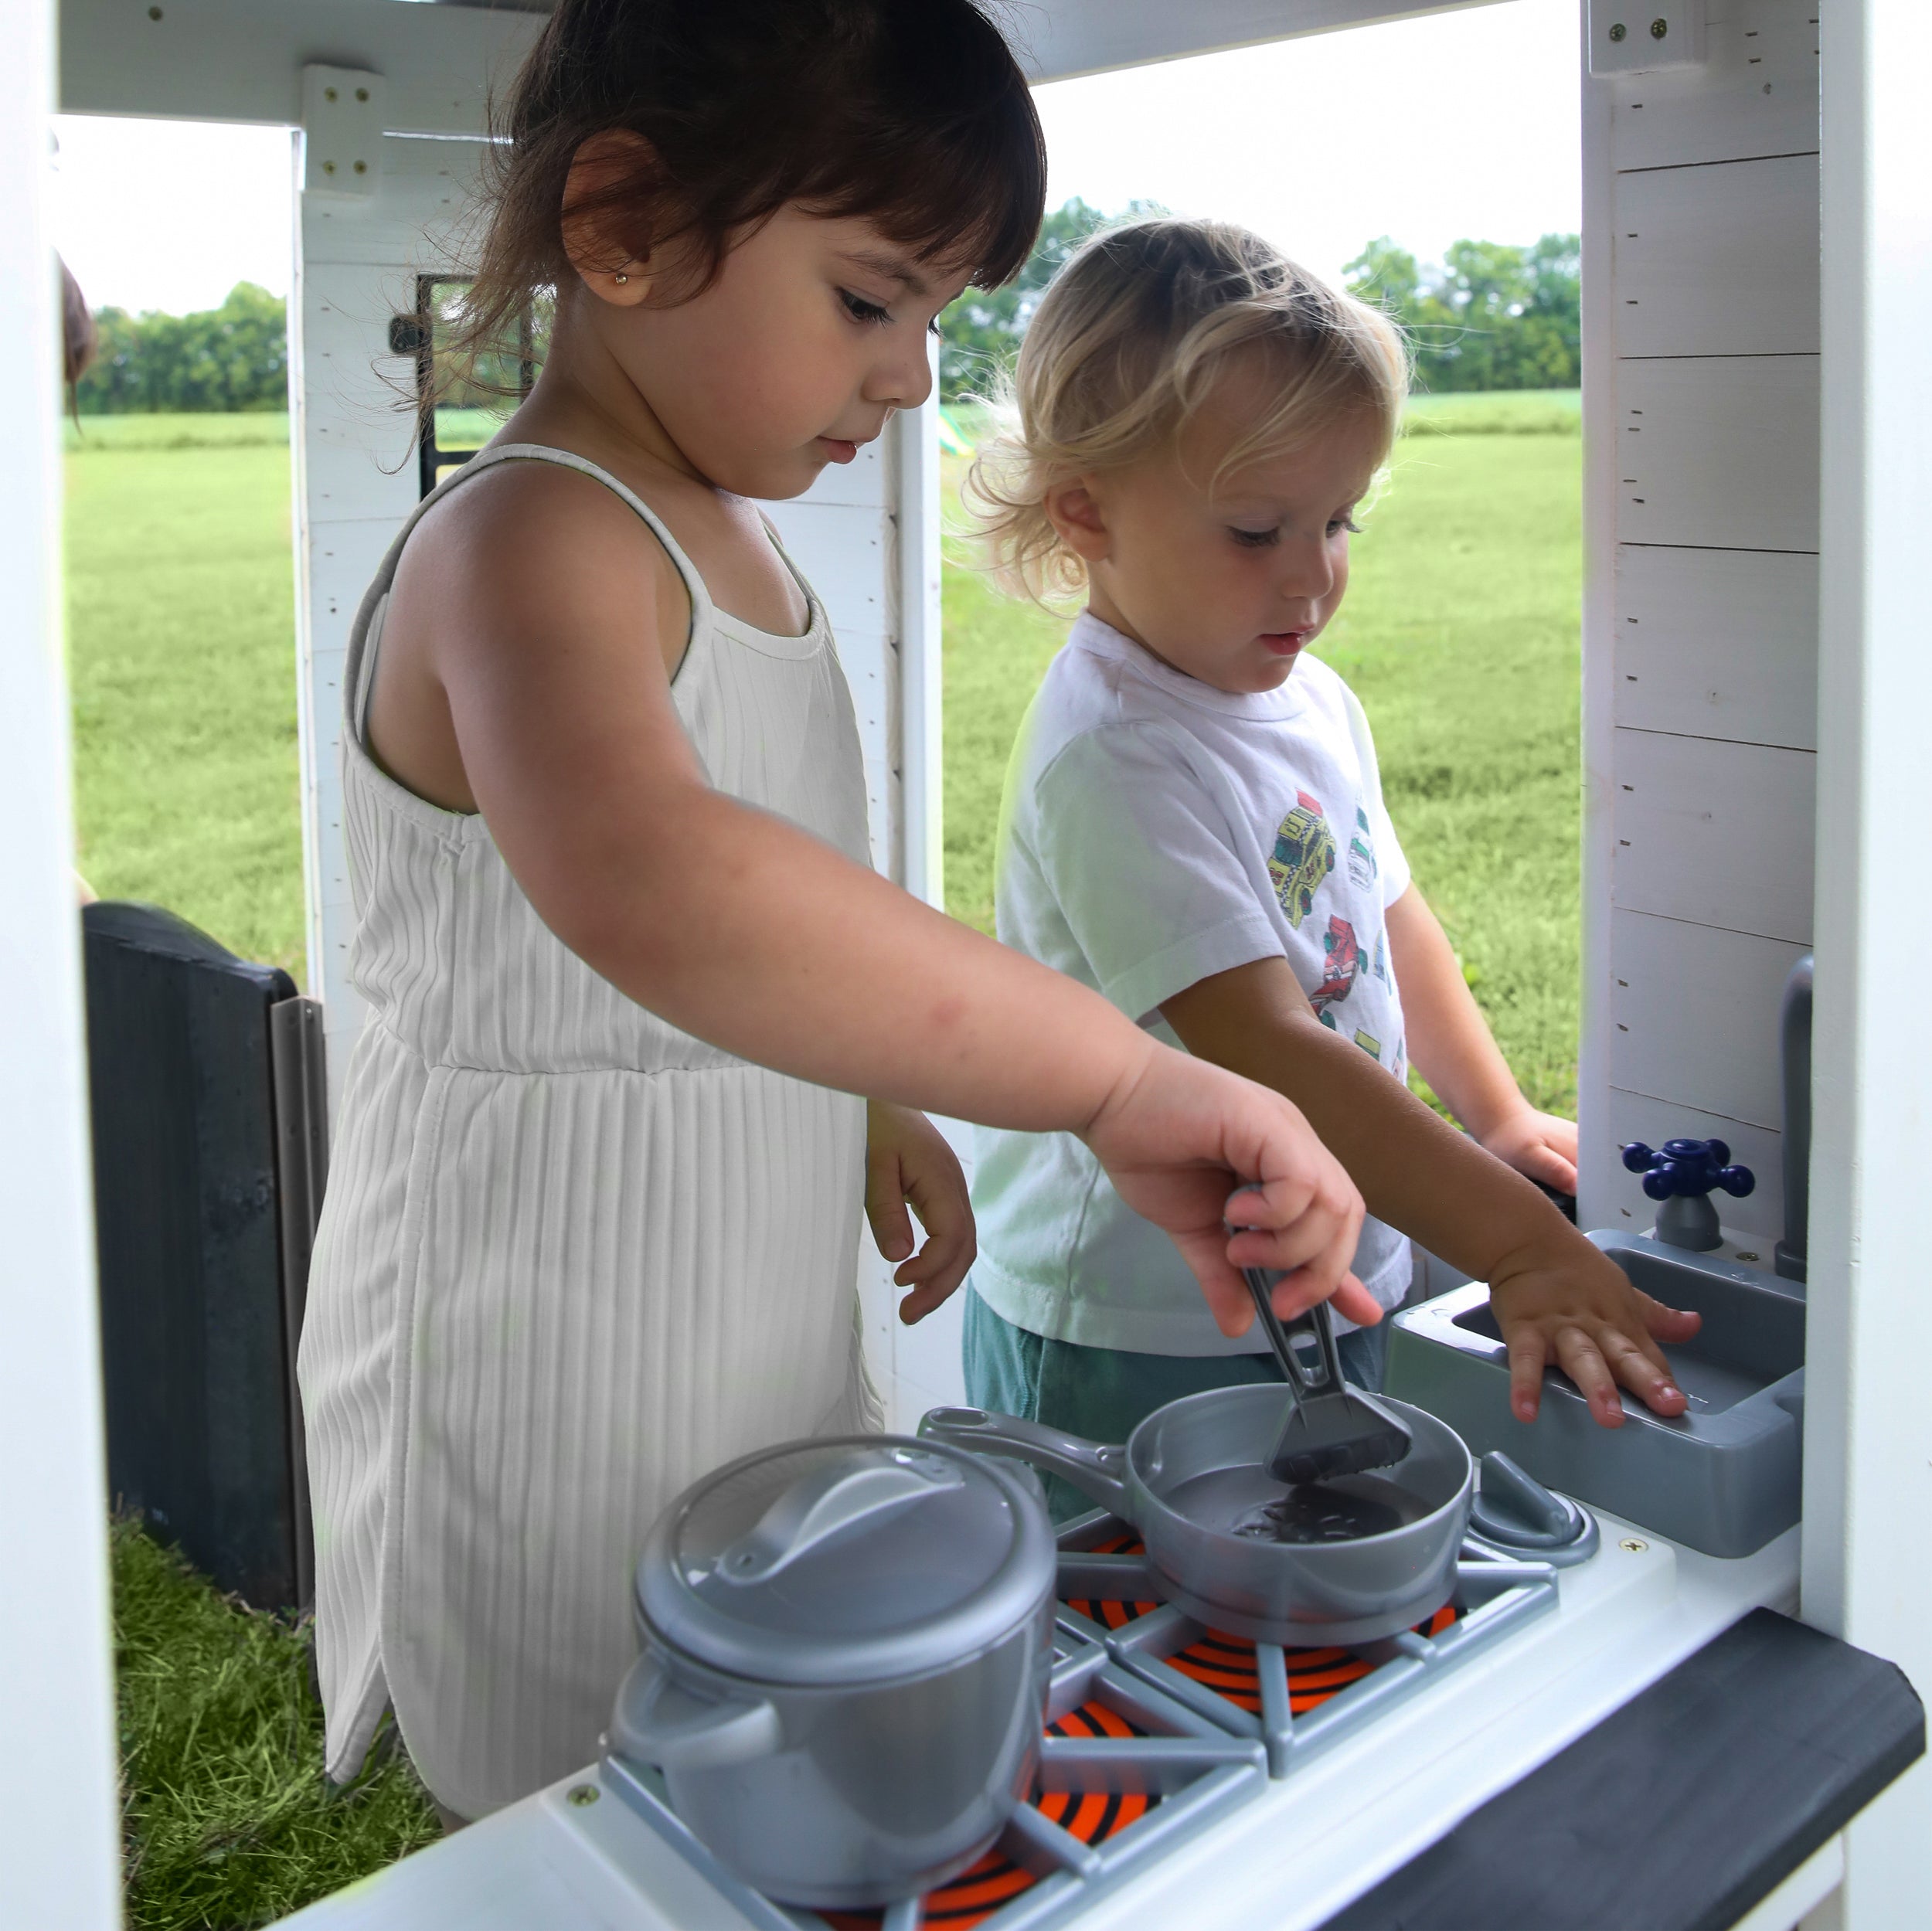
[[1452, 1047], [1557, 1298]]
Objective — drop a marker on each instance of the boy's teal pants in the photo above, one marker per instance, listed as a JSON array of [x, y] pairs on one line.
[[1102, 1393]]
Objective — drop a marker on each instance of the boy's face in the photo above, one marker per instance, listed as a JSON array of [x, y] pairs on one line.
[[1230, 583], [815, 332]]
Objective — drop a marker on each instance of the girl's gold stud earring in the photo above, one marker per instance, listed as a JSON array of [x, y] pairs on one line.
[[619, 279]]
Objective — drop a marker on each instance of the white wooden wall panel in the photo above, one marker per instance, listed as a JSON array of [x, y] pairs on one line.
[[1621, 1199], [842, 550], [1719, 261], [1720, 644], [1695, 1010], [1719, 834], [1718, 452], [1701, 609], [1755, 94], [428, 188]]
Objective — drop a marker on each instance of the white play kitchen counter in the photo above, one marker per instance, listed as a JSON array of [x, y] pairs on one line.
[[1361, 1800]]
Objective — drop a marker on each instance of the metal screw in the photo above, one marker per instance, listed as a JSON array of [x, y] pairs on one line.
[[329, 94], [1632, 1546], [362, 94], [1658, 28], [328, 167], [153, 13], [1618, 31], [583, 1793], [361, 167], [1743, 1256]]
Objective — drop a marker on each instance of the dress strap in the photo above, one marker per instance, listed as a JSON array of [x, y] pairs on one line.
[[365, 638]]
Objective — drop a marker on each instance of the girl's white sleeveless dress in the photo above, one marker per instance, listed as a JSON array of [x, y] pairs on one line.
[[570, 1257]]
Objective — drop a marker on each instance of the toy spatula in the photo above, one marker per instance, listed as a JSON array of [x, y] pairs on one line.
[[1330, 1428]]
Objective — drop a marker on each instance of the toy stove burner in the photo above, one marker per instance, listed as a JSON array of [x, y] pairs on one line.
[[1230, 1665], [1090, 1816], [1194, 1720]]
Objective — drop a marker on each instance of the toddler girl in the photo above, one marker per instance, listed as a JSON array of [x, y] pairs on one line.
[[598, 1169], [1193, 827]]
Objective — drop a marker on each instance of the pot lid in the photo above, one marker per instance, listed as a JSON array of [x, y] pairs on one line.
[[847, 1561]]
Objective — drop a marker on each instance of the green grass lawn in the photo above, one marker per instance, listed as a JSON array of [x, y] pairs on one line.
[[1460, 634], [181, 658], [227, 1820]]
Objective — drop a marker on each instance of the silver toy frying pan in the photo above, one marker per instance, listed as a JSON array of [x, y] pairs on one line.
[[1193, 1479]]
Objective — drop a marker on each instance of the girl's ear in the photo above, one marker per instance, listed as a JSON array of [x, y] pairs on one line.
[[610, 174], [1078, 515]]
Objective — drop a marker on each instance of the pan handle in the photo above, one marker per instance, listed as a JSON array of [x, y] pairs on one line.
[[1095, 1470]]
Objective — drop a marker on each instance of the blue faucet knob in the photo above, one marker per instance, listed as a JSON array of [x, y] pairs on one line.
[[1688, 1169]]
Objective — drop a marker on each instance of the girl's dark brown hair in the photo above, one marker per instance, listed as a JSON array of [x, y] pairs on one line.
[[912, 113]]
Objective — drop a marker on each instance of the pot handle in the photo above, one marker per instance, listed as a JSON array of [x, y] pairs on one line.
[[1093, 1469], [659, 1720]]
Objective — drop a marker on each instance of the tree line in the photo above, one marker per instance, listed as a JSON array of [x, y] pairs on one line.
[[232, 358], [1489, 316]]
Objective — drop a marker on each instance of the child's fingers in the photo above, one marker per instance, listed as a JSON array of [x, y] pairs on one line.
[[1583, 1361], [1295, 1294], [1672, 1325], [891, 1225], [932, 1278], [1529, 1356], [1643, 1370], [1544, 1163]]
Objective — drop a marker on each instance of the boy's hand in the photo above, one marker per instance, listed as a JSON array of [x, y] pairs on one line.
[[1181, 1137], [908, 1161], [1538, 1144], [1568, 1305]]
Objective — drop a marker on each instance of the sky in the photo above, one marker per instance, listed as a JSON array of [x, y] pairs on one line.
[[1458, 125]]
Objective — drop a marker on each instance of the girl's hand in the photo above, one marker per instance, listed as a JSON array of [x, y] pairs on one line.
[[1538, 1144], [1179, 1137], [1569, 1305], [907, 1161]]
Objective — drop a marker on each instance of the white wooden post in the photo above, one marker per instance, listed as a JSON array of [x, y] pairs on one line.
[[354, 443], [59, 1808], [1868, 1424]]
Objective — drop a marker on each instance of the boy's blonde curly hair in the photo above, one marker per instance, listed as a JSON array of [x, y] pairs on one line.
[[1129, 342]]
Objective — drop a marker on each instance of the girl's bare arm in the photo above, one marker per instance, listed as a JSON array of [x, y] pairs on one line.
[[741, 929]]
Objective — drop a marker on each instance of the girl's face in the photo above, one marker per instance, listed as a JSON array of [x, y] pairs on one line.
[[814, 332], [1228, 584]]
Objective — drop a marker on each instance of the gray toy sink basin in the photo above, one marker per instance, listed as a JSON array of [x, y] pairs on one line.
[[1724, 1478]]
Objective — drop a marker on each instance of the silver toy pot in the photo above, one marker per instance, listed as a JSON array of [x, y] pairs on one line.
[[1195, 1467], [847, 1650]]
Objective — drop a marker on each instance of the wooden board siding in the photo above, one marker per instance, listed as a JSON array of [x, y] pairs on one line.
[[1701, 270]]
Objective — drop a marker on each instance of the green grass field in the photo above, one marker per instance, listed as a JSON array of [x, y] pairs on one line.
[[181, 659], [1460, 634]]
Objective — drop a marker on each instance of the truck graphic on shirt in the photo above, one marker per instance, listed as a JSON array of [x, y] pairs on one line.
[[1340, 961], [1304, 856]]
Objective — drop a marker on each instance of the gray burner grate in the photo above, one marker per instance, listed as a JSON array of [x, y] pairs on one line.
[[1201, 1754]]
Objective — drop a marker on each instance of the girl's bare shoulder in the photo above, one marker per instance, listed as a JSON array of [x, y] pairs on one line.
[[536, 525]]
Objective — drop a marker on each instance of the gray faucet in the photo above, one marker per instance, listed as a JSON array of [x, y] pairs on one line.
[[1794, 1044]]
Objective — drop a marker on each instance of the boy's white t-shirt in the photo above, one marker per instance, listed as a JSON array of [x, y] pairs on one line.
[[1154, 832]]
